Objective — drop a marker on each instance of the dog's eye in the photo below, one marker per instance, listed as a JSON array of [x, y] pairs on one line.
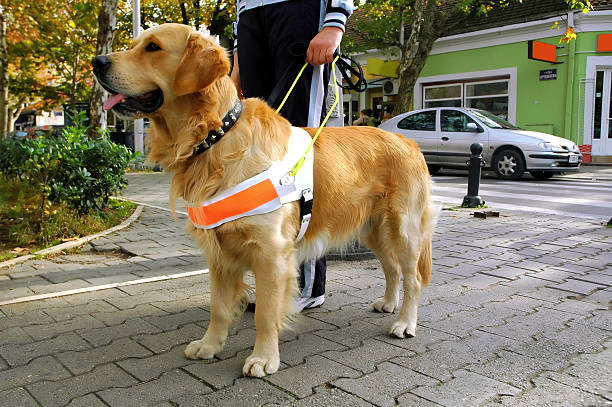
[[152, 47]]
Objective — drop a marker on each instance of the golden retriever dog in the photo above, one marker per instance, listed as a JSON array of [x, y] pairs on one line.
[[369, 185]]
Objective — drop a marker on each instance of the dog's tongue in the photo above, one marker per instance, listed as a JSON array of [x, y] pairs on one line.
[[113, 100]]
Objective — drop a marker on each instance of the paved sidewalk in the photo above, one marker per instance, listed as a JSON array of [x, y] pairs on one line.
[[517, 314]]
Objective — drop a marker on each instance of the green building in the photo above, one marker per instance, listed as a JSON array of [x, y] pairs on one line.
[[488, 66]]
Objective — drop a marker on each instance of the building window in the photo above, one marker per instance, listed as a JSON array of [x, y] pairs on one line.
[[490, 96], [486, 95], [443, 96]]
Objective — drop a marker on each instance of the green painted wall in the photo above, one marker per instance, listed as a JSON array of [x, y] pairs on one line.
[[540, 105]]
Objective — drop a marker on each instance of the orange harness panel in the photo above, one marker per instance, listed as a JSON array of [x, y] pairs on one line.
[[263, 193]]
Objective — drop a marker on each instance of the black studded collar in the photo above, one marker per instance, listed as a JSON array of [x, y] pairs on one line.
[[213, 136]]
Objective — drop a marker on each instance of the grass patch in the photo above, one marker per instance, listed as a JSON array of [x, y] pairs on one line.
[[25, 228]]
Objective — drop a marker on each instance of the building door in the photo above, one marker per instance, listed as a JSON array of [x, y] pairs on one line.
[[602, 120]]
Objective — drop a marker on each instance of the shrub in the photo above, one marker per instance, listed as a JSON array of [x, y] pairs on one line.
[[71, 169]]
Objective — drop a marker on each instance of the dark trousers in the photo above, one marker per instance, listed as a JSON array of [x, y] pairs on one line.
[[271, 40]]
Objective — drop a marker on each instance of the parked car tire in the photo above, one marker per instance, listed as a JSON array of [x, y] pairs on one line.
[[433, 169], [541, 175], [509, 164]]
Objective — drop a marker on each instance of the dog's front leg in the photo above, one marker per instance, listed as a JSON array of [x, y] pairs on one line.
[[276, 286], [225, 288]]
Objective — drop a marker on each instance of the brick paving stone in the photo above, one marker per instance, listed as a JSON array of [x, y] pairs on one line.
[[70, 311], [481, 281], [105, 335], [152, 367], [463, 322], [600, 319], [550, 393], [245, 393], [552, 274], [170, 385], [163, 342], [596, 278], [140, 299], [354, 334], [17, 397], [385, 384], [438, 310], [512, 368], [120, 316], [526, 326], [578, 287], [589, 373], [424, 338], [12, 336], [21, 354], [507, 272], [602, 297], [366, 357], [412, 400], [59, 393], [295, 352], [173, 321], [84, 361], [465, 270], [43, 368], [465, 388], [317, 370], [442, 358], [89, 400], [46, 331], [219, 374], [330, 396]]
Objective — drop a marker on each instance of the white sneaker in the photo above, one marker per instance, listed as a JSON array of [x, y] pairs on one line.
[[308, 302]]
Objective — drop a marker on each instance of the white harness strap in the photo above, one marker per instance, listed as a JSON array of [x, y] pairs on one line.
[[265, 192]]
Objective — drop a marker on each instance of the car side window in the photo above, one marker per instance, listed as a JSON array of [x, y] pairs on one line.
[[456, 121], [423, 121]]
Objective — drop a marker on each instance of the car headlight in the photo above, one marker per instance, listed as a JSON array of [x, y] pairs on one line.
[[554, 147], [575, 148]]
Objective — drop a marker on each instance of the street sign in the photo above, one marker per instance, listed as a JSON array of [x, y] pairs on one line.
[[548, 75]]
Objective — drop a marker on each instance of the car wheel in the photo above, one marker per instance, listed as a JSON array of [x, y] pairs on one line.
[[541, 175], [509, 164], [434, 168]]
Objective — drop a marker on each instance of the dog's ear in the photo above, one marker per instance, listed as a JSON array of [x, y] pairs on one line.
[[202, 64]]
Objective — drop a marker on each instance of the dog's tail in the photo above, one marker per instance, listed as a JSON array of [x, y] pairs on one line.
[[428, 222]]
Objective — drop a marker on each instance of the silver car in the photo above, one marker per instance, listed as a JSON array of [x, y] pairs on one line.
[[445, 135]]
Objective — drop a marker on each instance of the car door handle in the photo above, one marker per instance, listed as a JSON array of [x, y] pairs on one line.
[[445, 138]]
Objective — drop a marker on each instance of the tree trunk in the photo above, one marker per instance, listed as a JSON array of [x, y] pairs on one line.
[[184, 15], [4, 122], [423, 34], [197, 17], [106, 25]]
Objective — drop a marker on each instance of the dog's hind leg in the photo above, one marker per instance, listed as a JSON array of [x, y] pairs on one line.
[[376, 241], [276, 286], [226, 289], [411, 248]]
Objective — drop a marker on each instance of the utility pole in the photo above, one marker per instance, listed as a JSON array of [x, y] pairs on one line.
[[139, 123]]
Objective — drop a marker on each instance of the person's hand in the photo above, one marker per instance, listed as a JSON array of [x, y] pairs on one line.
[[321, 48], [236, 76]]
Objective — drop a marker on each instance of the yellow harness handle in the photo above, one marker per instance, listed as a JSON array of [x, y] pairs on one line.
[[300, 162]]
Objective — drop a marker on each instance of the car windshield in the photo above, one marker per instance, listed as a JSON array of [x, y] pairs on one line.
[[492, 121]]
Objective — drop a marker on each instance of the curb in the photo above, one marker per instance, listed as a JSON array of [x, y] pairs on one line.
[[75, 243]]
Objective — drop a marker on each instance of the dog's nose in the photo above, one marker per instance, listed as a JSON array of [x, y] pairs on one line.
[[100, 64]]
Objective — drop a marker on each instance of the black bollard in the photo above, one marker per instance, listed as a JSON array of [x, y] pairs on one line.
[[472, 200]]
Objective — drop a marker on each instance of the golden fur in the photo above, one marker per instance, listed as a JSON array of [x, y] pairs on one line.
[[369, 184]]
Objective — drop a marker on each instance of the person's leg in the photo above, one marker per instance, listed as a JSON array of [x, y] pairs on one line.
[[255, 57]]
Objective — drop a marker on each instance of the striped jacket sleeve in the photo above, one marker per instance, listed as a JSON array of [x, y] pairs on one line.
[[337, 12]]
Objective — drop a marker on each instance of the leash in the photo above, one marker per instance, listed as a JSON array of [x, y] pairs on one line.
[[298, 165]]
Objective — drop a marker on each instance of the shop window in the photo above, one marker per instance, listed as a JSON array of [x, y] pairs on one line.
[[443, 96], [486, 95]]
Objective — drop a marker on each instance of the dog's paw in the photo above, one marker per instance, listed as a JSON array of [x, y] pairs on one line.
[[200, 350], [256, 366], [381, 305], [402, 330]]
